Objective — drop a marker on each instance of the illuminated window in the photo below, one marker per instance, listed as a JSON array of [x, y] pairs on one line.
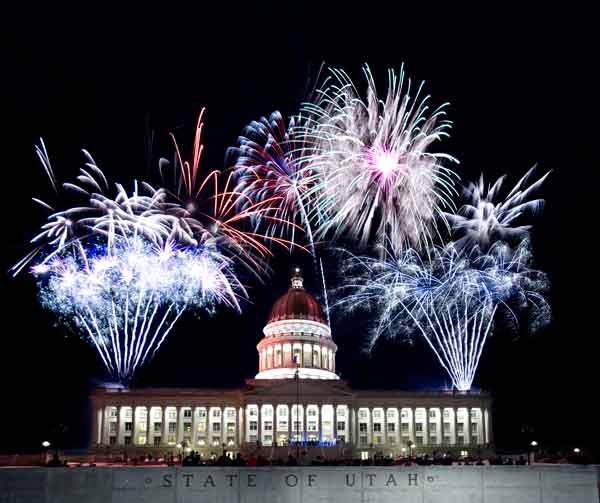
[[141, 440], [268, 440], [142, 427], [171, 440], [216, 440], [187, 427], [377, 439], [202, 441], [364, 455], [230, 427]]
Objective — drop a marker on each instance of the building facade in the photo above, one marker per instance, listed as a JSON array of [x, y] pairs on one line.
[[296, 397]]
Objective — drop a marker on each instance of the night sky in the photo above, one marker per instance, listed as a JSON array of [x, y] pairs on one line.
[[523, 90]]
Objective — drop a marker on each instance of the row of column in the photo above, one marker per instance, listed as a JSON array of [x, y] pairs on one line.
[[357, 424], [269, 356]]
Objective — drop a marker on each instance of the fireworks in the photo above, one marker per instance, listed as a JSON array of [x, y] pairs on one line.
[[450, 298], [127, 297], [209, 206], [372, 173], [486, 218], [268, 168], [122, 270]]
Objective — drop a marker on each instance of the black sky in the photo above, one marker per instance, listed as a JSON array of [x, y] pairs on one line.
[[523, 90]]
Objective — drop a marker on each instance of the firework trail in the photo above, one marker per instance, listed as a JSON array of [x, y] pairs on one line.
[[127, 297], [451, 299], [213, 205], [370, 168], [122, 270], [487, 218], [268, 167]]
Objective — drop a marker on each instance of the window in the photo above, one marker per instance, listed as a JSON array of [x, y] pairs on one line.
[[363, 440], [142, 427], [296, 425], [391, 427], [364, 455], [362, 427], [268, 425], [268, 439], [377, 414], [157, 414], [128, 426], [157, 441], [172, 427], [127, 440], [312, 412], [172, 414], [216, 440], [157, 427], [391, 413], [447, 440], [253, 426], [230, 441], [460, 440], [283, 412], [341, 412], [433, 440], [216, 413], [431, 413], [230, 427], [341, 438], [216, 427], [267, 412], [391, 440], [141, 440], [187, 413], [230, 413], [171, 440], [201, 441], [419, 427], [282, 425], [253, 411], [113, 412], [341, 425], [202, 426], [312, 426], [446, 414], [377, 427], [432, 428], [460, 428], [473, 427], [446, 426], [202, 413], [474, 414], [127, 412], [187, 427], [419, 441], [377, 439], [112, 427], [112, 440], [362, 414], [404, 414], [404, 427]]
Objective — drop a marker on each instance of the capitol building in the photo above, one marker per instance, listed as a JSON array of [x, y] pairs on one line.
[[296, 397]]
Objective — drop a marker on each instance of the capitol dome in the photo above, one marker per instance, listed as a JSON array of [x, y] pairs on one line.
[[297, 338]]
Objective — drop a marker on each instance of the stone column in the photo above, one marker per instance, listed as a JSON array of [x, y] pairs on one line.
[[304, 419], [149, 426], [241, 427], [165, 425], [426, 427], [95, 426], [179, 437], [486, 438], [455, 420], [413, 430], [135, 431], [384, 431], [369, 425], [467, 427], [120, 426], [335, 432], [259, 423]]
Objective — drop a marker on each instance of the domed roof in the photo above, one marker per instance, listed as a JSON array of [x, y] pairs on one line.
[[297, 304]]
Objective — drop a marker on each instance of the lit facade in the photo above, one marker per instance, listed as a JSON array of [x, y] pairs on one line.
[[275, 410]]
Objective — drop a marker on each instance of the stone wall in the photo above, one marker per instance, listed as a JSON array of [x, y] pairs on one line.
[[456, 484]]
